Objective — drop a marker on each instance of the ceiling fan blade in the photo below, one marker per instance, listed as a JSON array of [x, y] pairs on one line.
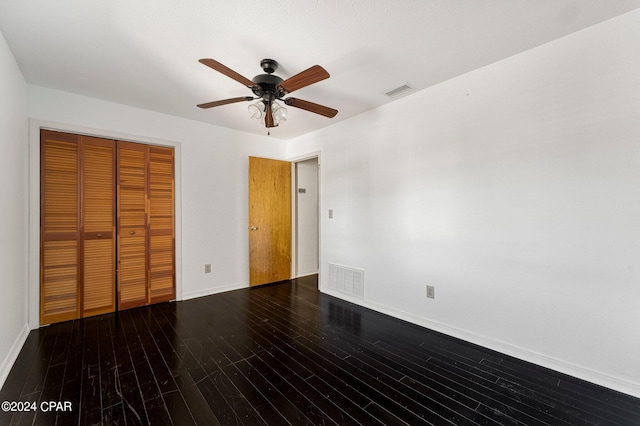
[[303, 79], [268, 117], [225, 102], [212, 63], [311, 107]]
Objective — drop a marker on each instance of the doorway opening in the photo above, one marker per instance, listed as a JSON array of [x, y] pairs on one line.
[[307, 217]]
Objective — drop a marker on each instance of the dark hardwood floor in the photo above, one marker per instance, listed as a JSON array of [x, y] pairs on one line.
[[285, 354]]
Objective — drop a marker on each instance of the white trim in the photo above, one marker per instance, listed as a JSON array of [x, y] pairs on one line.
[[293, 266], [616, 383], [12, 356], [212, 291], [33, 294], [304, 157]]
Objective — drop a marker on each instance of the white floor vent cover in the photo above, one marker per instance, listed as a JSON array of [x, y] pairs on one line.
[[346, 280]]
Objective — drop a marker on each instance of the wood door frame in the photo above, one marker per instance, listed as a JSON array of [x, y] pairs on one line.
[[294, 213], [33, 291]]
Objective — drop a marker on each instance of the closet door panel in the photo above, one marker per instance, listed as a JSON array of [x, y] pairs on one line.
[[59, 286], [60, 242], [132, 272], [99, 283], [60, 182], [98, 187], [132, 217], [98, 213], [161, 270], [161, 224]]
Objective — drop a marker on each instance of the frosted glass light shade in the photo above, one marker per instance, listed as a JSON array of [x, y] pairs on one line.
[[256, 111], [279, 113]]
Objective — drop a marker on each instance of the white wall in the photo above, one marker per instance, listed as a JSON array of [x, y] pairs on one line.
[[212, 179], [515, 191], [13, 193]]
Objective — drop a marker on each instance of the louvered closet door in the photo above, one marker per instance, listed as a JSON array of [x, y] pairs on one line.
[[59, 227], [98, 225], [161, 219], [132, 220], [77, 224]]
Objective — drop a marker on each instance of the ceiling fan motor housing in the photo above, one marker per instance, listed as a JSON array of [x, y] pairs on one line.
[[267, 86]]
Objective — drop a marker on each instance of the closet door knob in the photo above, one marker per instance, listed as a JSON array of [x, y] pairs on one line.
[[99, 235], [254, 228], [132, 232]]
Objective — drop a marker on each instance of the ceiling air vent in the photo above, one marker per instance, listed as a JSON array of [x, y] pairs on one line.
[[399, 91]]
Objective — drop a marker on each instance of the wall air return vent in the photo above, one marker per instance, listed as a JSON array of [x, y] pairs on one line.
[[399, 91], [346, 280]]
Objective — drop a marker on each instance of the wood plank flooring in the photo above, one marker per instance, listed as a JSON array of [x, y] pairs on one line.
[[286, 354]]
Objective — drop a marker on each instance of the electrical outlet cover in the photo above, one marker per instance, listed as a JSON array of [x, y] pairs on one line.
[[431, 292]]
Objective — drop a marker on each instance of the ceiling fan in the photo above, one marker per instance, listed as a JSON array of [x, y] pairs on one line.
[[270, 88]]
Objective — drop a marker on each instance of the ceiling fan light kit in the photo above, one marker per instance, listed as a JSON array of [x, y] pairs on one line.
[[257, 112], [270, 88]]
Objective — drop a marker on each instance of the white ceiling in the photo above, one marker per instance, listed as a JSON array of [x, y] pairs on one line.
[[145, 53]]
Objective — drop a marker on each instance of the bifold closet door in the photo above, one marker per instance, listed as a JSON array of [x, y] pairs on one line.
[[132, 225], [146, 252], [98, 226], [161, 225], [77, 227], [59, 227]]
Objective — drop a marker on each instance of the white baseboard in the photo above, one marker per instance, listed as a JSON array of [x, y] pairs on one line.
[[616, 383], [213, 290], [306, 274], [12, 356]]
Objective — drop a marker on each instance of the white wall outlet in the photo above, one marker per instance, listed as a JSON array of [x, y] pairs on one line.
[[431, 292], [330, 213], [207, 268]]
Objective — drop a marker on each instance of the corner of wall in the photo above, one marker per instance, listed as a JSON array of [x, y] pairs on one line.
[[12, 356], [13, 192]]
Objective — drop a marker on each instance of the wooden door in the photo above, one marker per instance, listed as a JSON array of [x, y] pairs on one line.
[[161, 225], [269, 220], [98, 226], [59, 227], [132, 225]]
